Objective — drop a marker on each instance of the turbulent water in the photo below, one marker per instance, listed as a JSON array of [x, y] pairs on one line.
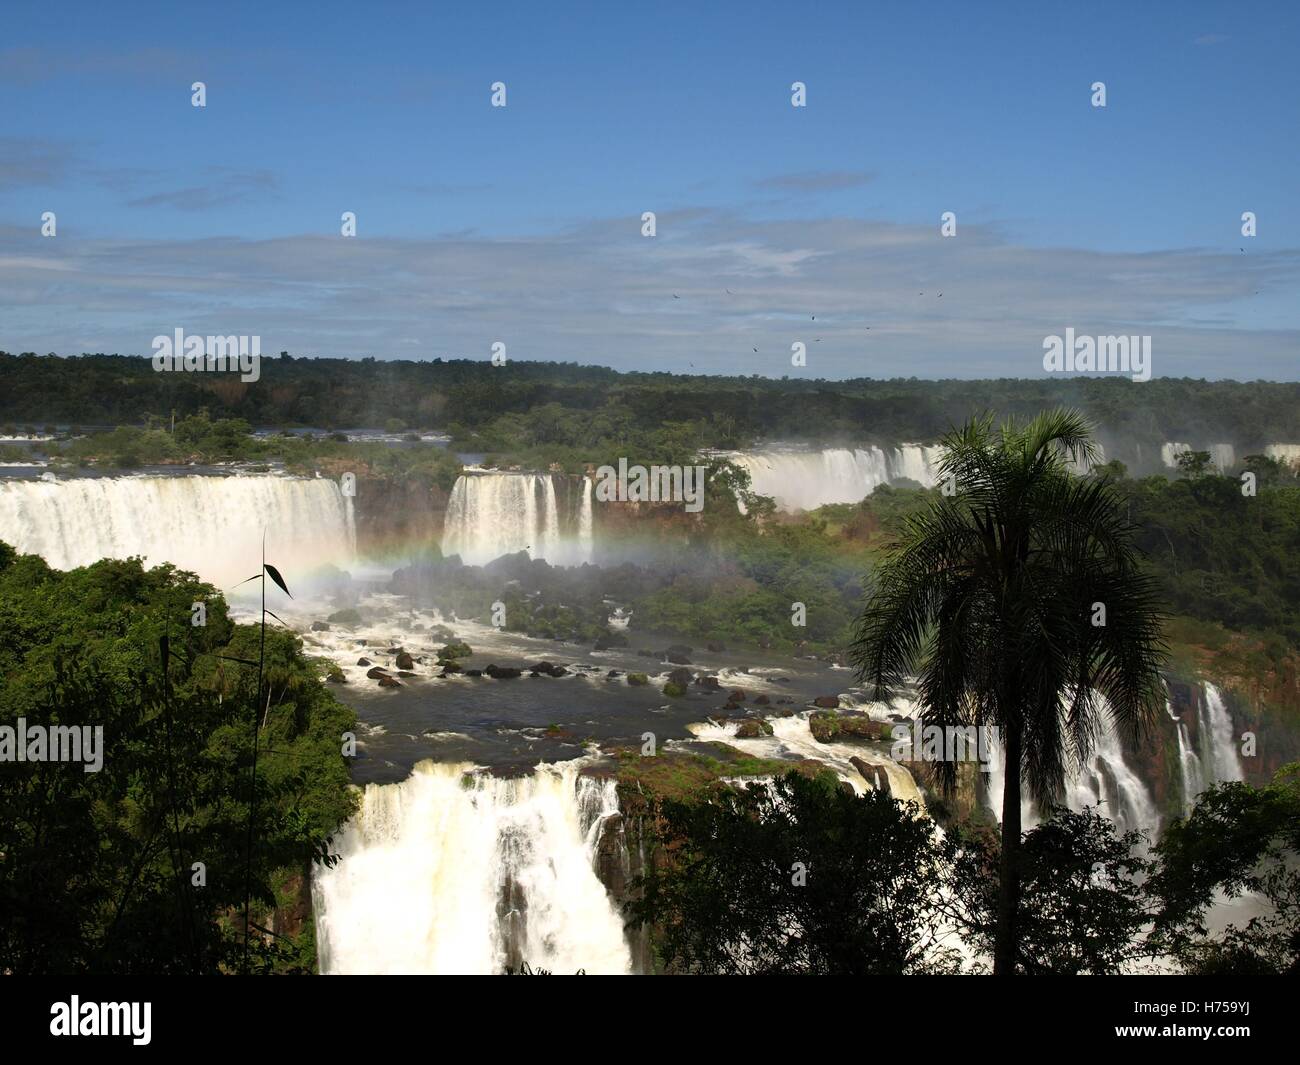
[[453, 871], [803, 480], [495, 514], [212, 526]]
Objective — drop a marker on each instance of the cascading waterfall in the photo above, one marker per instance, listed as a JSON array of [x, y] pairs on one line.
[[1214, 757], [457, 871], [799, 479], [212, 526], [1104, 780], [495, 514], [1218, 742]]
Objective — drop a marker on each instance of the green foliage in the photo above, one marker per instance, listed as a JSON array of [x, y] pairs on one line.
[[96, 868], [989, 598], [1082, 908], [1242, 841], [797, 877]]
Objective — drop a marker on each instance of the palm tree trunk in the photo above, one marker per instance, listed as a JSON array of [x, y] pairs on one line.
[[1004, 943]]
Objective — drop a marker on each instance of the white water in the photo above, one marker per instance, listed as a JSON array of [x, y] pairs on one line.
[[1288, 453], [1222, 456], [212, 526], [495, 514], [804, 480], [1104, 780], [1217, 740], [1214, 757], [792, 738], [429, 864]]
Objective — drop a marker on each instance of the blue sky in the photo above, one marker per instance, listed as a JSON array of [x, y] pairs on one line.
[[521, 224]]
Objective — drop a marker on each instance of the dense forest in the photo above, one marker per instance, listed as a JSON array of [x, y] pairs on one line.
[[144, 865], [522, 404]]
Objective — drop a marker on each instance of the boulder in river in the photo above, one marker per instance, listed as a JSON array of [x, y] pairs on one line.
[[320, 626], [637, 680], [680, 677], [389, 682], [376, 673], [761, 700], [829, 702], [503, 672], [364, 662], [404, 661], [872, 774], [613, 639], [708, 683]]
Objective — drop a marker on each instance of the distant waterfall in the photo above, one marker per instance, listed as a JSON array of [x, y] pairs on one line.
[[585, 536], [445, 873], [800, 479], [1222, 456], [495, 514], [211, 526], [1288, 453]]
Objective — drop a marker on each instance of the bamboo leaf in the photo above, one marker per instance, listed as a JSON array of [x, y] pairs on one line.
[[275, 576]]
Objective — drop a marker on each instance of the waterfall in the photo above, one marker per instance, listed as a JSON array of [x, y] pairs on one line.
[[1104, 780], [1222, 456], [799, 479], [1218, 741], [585, 539], [495, 514], [1288, 453], [211, 526], [457, 871], [1190, 764]]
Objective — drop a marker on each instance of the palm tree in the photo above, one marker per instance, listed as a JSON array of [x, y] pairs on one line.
[[1017, 602]]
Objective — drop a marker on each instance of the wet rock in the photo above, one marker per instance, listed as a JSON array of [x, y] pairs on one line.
[[677, 658], [678, 649], [503, 672], [613, 673], [872, 773], [736, 696], [708, 683], [638, 680], [680, 677], [404, 661], [364, 662], [761, 700], [389, 682], [376, 673], [613, 639], [405, 673], [830, 702], [320, 626], [752, 728]]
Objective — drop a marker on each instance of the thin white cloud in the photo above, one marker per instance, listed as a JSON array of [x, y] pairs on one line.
[[863, 297]]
